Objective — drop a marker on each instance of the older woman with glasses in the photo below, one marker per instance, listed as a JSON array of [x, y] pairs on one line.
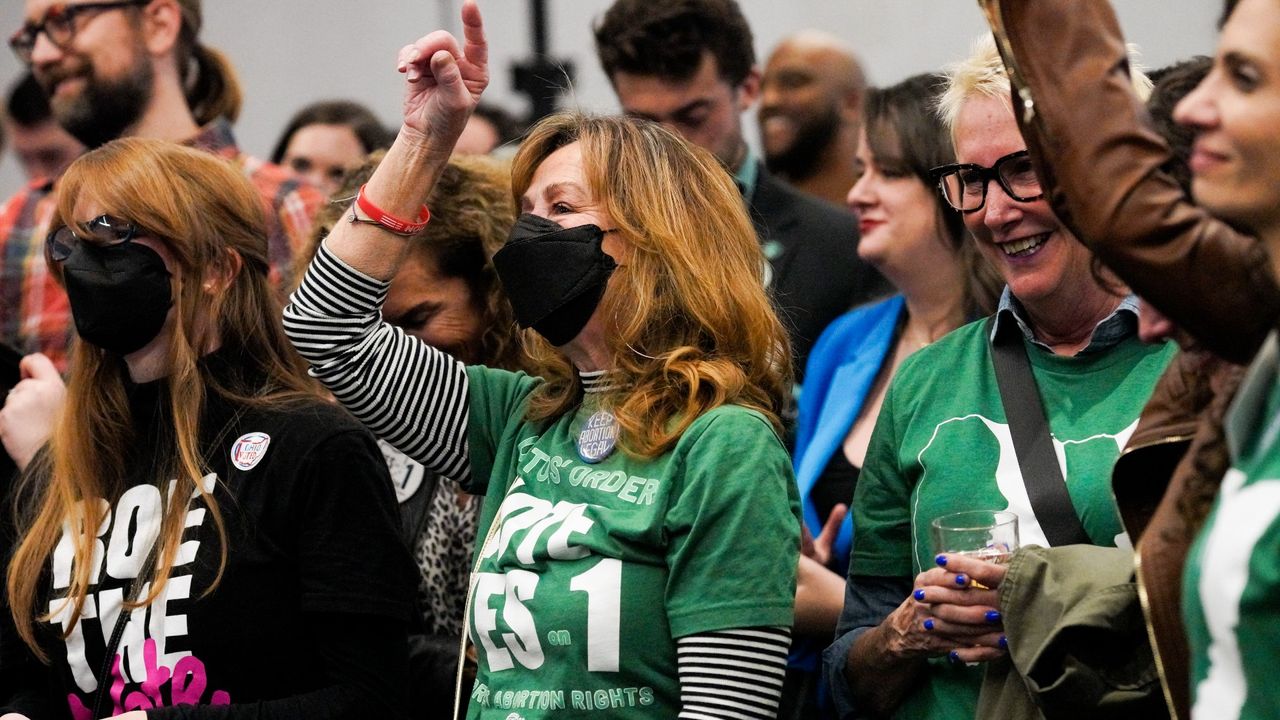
[[951, 437], [1208, 260]]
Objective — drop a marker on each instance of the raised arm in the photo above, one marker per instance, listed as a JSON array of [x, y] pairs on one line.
[[1100, 162], [407, 392], [443, 83]]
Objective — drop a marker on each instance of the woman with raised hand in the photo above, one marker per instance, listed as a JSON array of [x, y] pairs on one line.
[[640, 530], [203, 535]]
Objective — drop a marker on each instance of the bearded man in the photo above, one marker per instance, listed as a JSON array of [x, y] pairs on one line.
[[117, 69], [810, 110]]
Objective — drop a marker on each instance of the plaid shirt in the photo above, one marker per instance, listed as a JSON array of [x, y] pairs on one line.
[[35, 315]]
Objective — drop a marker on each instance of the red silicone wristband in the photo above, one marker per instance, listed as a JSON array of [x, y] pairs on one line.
[[391, 222]]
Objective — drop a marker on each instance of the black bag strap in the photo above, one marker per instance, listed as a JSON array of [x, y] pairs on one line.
[[122, 619], [1033, 442]]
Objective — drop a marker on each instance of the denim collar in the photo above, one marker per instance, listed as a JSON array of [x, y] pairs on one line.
[[1115, 328]]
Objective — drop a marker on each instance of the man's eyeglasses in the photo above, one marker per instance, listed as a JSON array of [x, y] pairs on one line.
[[964, 185], [59, 25], [104, 230]]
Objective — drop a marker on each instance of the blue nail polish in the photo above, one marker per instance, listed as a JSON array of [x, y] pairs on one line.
[[941, 560], [953, 657], [928, 624], [993, 616], [1004, 642], [919, 595], [962, 580]]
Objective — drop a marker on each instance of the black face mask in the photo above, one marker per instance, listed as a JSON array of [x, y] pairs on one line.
[[120, 294], [554, 276]]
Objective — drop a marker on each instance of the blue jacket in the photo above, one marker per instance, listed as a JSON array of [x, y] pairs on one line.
[[842, 368]]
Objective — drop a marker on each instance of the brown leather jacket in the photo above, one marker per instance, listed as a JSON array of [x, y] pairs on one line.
[[1100, 162], [1163, 483]]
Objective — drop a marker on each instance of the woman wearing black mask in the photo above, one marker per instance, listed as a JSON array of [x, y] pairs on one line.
[[195, 479], [640, 517]]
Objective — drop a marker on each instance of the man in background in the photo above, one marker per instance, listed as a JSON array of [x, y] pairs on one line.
[[116, 69], [690, 65], [810, 112]]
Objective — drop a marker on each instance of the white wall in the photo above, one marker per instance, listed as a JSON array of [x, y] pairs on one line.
[[291, 52]]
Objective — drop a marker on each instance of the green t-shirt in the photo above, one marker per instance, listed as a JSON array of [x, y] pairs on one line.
[[595, 570], [941, 444], [1231, 583]]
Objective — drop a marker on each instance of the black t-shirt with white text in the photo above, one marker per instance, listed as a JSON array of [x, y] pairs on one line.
[[313, 551]]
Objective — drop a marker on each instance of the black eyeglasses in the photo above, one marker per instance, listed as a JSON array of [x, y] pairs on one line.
[[104, 230], [964, 185], [59, 25]]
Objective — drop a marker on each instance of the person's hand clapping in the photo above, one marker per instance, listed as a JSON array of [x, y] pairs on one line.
[[27, 419], [444, 83]]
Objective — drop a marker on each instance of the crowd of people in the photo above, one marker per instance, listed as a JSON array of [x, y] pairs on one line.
[[607, 414]]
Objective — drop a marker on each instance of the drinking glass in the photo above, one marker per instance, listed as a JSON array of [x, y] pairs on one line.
[[990, 535]]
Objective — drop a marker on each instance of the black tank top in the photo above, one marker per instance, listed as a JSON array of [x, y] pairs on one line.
[[835, 484]]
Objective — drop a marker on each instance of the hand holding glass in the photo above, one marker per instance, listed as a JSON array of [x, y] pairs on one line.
[[989, 535]]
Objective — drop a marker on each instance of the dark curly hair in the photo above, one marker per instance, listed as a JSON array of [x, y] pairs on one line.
[[472, 212], [1172, 83], [667, 39]]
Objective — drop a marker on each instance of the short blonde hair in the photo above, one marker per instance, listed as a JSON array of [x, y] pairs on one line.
[[983, 74]]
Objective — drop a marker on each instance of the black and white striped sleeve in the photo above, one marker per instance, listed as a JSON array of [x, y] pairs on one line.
[[732, 673], [404, 390]]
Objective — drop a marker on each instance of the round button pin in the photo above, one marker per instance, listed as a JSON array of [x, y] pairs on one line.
[[598, 437]]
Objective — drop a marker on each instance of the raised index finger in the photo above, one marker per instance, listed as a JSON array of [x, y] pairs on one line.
[[475, 48]]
